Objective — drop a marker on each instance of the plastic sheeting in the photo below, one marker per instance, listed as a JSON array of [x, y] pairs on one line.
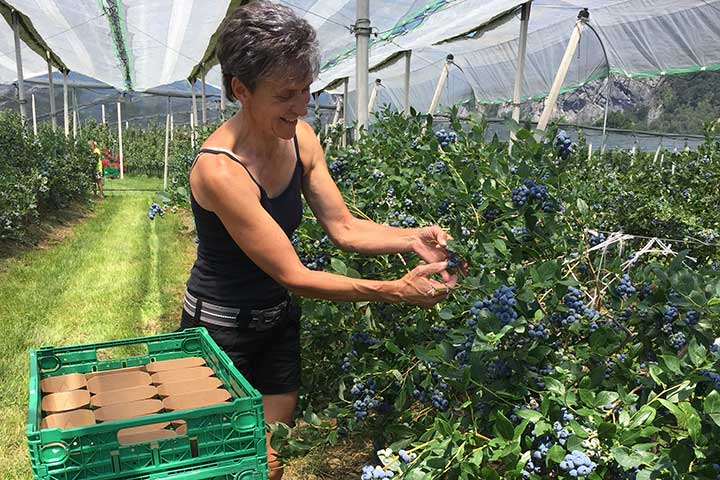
[[129, 44], [141, 44]]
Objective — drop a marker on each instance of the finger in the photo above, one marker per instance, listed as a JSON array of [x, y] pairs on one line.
[[451, 282], [431, 268]]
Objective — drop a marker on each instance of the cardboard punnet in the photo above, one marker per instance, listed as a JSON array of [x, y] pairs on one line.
[[65, 401], [188, 386], [172, 376], [63, 383], [122, 411], [175, 364], [72, 419], [114, 371], [126, 395], [196, 400], [119, 381], [125, 438]]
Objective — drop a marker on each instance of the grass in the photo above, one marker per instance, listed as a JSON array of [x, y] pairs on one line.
[[115, 275], [103, 274]]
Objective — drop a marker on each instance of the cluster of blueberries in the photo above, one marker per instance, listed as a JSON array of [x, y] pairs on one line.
[[337, 167], [677, 339], [596, 239], [155, 209], [498, 369], [577, 308], [364, 395], [626, 288], [564, 144], [437, 167], [317, 261], [577, 464], [445, 138], [714, 378], [529, 191], [369, 472]]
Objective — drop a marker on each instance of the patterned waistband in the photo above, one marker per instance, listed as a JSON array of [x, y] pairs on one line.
[[231, 317]]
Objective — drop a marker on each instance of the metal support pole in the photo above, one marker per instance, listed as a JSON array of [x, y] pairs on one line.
[[362, 42], [406, 102], [203, 100], [194, 106], [605, 116], [76, 114], [373, 95], [222, 101], [102, 110], [53, 113], [18, 62], [346, 113], [192, 130], [167, 144], [441, 83], [120, 142], [66, 111], [520, 72], [562, 71], [32, 96]]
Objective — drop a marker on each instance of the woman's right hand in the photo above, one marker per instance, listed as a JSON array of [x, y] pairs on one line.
[[417, 288]]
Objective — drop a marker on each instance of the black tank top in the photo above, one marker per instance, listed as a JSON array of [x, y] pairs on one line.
[[223, 273]]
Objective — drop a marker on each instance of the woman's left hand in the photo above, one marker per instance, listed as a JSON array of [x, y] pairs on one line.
[[430, 246]]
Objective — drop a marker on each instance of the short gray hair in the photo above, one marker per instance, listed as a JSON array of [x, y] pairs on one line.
[[265, 39]]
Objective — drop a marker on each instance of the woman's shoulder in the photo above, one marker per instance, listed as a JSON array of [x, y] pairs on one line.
[[308, 144]]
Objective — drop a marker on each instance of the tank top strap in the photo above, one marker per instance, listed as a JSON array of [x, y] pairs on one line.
[[229, 154]]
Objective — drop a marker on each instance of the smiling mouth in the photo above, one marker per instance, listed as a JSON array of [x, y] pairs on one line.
[[289, 122]]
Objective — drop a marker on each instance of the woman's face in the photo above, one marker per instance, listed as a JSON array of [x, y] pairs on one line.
[[276, 105]]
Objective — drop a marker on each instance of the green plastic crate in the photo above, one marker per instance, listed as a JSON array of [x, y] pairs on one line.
[[111, 172], [225, 441]]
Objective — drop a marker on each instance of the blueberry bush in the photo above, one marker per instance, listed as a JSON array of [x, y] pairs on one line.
[[550, 360], [38, 175]]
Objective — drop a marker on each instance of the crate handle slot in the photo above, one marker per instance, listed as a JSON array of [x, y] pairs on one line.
[[193, 447], [122, 352], [50, 363], [54, 453]]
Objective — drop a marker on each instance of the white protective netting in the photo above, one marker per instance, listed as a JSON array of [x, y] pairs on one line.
[[129, 44], [141, 44]]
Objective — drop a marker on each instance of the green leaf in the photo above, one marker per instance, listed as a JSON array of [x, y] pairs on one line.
[[582, 206], [446, 314], [711, 406], [692, 421], [554, 386], [645, 415], [391, 347], [628, 458], [338, 266], [670, 363], [531, 415], [504, 426], [500, 246], [696, 352], [714, 301], [675, 410], [606, 430], [556, 453], [605, 397]]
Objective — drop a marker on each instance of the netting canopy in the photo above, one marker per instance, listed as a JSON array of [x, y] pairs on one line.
[[129, 44], [141, 44]]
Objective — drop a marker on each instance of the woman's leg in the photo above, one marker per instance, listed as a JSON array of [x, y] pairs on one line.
[[278, 408]]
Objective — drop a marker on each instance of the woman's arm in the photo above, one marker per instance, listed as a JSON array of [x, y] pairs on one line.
[[225, 188]]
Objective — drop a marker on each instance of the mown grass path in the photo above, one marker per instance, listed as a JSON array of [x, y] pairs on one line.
[[116, 275]]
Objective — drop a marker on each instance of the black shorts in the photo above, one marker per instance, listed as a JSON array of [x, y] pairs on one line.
[[269, 360]]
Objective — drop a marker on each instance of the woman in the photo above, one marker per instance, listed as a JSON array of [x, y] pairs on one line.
[[245, 195]]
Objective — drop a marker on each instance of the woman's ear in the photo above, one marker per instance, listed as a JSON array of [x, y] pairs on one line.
[[239, 90]]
